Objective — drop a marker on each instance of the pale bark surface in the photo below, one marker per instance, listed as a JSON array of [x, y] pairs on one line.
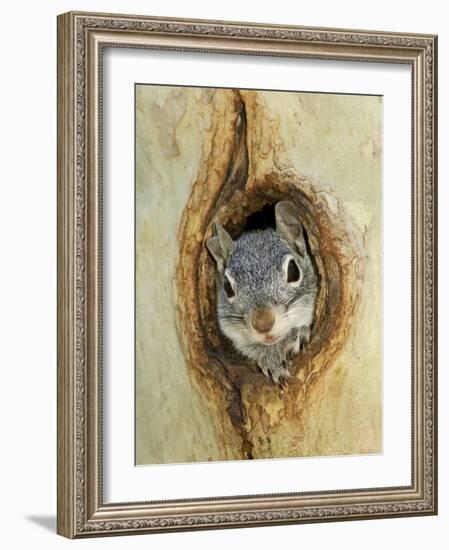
[[226, 153]]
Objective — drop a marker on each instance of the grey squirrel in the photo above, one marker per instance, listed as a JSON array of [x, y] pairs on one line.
[[266, 286]]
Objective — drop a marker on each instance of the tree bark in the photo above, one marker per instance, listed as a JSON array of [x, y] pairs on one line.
[[258, 148]]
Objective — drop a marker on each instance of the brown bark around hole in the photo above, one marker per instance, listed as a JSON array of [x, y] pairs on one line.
[[252, 414]]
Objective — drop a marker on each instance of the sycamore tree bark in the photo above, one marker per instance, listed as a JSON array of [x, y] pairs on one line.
[[253, 149]]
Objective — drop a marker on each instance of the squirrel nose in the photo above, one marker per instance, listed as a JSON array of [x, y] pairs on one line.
[[262, 319]]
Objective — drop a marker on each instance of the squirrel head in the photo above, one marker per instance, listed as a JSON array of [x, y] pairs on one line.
[[266, 282]]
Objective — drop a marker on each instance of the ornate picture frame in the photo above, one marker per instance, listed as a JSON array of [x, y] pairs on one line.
[[82, 40]]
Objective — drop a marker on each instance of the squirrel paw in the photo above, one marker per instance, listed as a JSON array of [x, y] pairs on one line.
[[281, 378], [294, 349], [278, 373], [301, 339], [281, 375]]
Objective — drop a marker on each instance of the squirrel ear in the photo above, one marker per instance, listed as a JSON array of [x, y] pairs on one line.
[[289, 226], [220, 246]]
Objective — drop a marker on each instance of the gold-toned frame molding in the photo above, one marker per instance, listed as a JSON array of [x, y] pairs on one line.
[[81, 39]]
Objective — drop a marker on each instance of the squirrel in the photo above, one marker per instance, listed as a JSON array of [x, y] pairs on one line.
[[266, 286]]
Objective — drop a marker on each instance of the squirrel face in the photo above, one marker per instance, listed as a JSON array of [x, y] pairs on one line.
[[266, 284]]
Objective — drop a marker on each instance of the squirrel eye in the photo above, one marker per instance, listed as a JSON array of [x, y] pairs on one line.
[[228, 288], [292, 272]]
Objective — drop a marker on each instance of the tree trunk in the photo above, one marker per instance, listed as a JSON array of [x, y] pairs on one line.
[[248, 150]]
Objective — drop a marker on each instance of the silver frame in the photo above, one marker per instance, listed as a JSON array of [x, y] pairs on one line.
[[81, 40]]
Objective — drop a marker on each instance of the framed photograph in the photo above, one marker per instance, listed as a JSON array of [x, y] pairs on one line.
[[246, 274]]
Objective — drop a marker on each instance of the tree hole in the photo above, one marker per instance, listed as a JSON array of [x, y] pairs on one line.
[[236, 390]]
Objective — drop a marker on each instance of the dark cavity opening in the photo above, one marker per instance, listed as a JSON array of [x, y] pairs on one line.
[[262, 219]]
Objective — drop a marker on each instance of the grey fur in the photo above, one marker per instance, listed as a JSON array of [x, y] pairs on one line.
[[255, 265]]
